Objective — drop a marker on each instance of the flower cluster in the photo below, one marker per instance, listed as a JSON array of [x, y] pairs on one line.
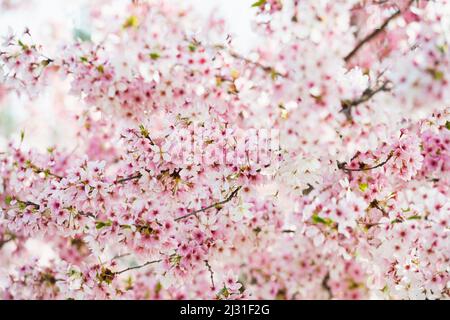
[[24, 67], [314, 165]]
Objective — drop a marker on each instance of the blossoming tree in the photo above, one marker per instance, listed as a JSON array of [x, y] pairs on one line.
[[314, 166]]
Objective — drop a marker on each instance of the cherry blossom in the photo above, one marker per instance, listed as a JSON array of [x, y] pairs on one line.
[[314, 165]]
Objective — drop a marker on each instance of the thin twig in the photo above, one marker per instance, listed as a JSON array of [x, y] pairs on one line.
[[347, 105], [3, 242], [375, 204], [133, 177], [38, 206], [211, 273], [86, 214], [369, 225], [231, 196], [138, 266], [29, 203], [238, 56], [265, 68], [120, 256], [326, 286], [38, 170], [374, 33], [342, 166]]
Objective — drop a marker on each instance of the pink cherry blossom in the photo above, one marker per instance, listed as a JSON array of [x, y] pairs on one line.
[[313, 164]]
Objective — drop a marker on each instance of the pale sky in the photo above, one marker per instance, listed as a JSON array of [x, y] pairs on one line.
[[36, 14], [41, 17]]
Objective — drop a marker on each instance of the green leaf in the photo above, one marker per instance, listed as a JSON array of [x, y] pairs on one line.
[[224, 292], [132, 21], [84, 59], [100, 69], [363, 187], [106, 275], [102, 224], [447, 125], [436, 74], [316, 219], [73, 272], [47, 172], [175, 258], [144, 131], [22, 135], [442, 48], [81, 35], [259, 3], [192, 47], [154, 56], [158, 287], [274, 74], [8, 200], [23, 45], [415, 217]]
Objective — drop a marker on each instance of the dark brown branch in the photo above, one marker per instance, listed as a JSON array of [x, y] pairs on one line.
[[86, 214], [369, 225], [367, 95], [215, 205], [347, 105], [211, 273], [138, 266], [326, 286], [47, 172], [3, 242], [29, 204], [375, 204], [374, 33], [259, 65], [120, 256], [265, 68], [363, 167], [38, 206], [133, 177], [145, 134]]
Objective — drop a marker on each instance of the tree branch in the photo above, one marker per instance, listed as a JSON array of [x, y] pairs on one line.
[[347, 105], [374, 33], [133, 177], [231, 196], [138, 266], [376, 204], [326, 286], [47, 172], [29, 203], [3, 242], [86, 214], [211, 273], [257, 64], [363, 167]]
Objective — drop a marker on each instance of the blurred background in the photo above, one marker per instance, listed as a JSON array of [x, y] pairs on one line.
[[52, 22], [44, 120]]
